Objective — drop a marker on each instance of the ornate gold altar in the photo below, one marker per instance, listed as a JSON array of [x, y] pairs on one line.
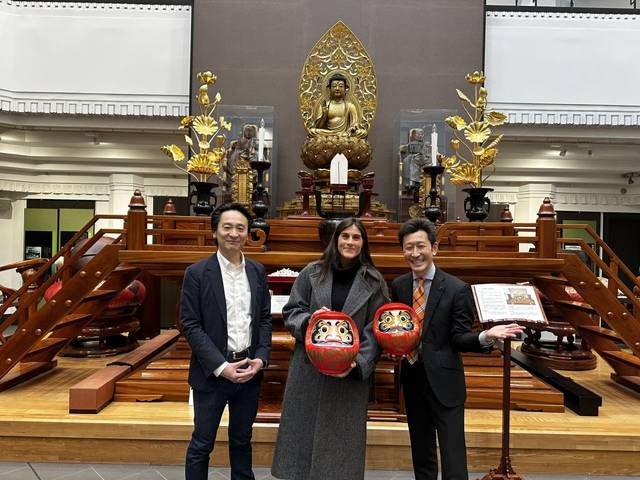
[[337, 95]]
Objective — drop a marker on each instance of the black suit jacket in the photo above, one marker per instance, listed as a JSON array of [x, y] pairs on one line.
[[446, 332], [203, 313]]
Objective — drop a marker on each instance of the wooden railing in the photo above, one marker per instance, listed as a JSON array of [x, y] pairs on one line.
[[612, 270], [70, 255]]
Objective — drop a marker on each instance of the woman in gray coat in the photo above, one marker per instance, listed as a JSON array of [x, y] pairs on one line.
[[322, 432]]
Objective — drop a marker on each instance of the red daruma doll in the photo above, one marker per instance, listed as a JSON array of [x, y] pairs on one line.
[[331, 342], [397, 329]]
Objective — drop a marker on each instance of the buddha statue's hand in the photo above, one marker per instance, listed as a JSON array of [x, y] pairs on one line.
[[357, 132]]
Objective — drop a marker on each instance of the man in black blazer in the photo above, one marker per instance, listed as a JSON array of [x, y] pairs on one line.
[[226, 318], [433, 377]]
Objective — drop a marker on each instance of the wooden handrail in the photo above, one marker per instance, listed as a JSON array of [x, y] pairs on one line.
[[620, 285], [64, 251], [495, 239], [178, 232], [602, 244], [178, 218], [37, 294], [24, 263]]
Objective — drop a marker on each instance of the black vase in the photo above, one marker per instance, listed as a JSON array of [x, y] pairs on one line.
[[205, 198], [477, 205]]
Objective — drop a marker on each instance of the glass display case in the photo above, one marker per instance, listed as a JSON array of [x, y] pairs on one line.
[[237, 178], [417, 129]]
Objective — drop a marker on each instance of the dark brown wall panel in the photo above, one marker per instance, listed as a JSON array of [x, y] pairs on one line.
[[421, 50]]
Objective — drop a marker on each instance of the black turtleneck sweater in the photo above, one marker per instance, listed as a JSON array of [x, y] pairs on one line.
[[342, 281]]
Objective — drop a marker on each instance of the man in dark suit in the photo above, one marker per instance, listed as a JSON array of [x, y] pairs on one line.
[[226, 318], [433, 376]]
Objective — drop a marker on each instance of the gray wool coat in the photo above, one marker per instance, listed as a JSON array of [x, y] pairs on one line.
[[322, 433]]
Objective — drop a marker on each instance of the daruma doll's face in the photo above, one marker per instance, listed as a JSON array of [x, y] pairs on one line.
[[397, 329], [332, 342], [332, 332], [396, 321]]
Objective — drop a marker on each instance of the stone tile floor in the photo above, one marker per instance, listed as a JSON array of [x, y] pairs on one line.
[[68, 471]]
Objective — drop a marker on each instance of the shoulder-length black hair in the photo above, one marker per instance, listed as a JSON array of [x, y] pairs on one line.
[[331, 257]]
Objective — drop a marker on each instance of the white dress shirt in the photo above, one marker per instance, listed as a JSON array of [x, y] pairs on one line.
[[237, 296]]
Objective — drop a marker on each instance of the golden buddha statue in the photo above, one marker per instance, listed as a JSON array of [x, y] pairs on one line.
[[337, 115], [337, 101]]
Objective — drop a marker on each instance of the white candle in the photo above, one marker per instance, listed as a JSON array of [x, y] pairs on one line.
[[261, 141], [434, 146]]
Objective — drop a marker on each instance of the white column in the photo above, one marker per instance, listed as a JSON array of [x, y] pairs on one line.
[[530, 197], [12, 226], [121, 188], [103, 207]]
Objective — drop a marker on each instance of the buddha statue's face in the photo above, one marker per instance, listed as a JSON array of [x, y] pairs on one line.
[[337, 89]]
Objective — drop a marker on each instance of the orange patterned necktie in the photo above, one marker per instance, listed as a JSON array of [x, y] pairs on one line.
[[418, 297], [419, 304]]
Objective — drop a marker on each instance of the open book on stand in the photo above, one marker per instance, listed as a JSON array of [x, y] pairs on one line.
[[503, 302]]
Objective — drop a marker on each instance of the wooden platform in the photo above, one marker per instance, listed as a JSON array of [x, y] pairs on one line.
[[35, 426], [165, 379]]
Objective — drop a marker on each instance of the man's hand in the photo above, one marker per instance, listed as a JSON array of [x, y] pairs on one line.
[[500, 332], [345, 373], [254, 366], [238, 372]]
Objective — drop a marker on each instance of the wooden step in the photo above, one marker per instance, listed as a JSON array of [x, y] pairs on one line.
[[521, 405], [162, 375], [495, 383], [551, 279], [167, 363], [99, 295], [170, 391], [122, 397], [47, 346], [96, 391], [124, 270], [582, 306], [629, 381], [599, 332], [24, 371], [529, 396], [149, 350], [71, 319], [628, 359]]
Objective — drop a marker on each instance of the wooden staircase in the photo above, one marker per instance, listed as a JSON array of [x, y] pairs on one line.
[[31, 337], [34, 344], [601, 319]]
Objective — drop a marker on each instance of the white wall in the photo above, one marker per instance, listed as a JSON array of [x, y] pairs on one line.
[[94, 58], [564, 68]]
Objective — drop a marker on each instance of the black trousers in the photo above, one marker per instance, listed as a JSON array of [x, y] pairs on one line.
[[427, 417], [208, 408]]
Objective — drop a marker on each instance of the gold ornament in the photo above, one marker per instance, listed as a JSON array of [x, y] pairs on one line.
[[338, 51], [477, 132], [205, 161]]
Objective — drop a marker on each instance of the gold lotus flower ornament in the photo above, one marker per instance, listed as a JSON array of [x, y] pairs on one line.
[[478, 151], [205, 160]]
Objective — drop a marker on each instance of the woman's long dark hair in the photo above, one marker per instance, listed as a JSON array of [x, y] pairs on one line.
[[331, 256]]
